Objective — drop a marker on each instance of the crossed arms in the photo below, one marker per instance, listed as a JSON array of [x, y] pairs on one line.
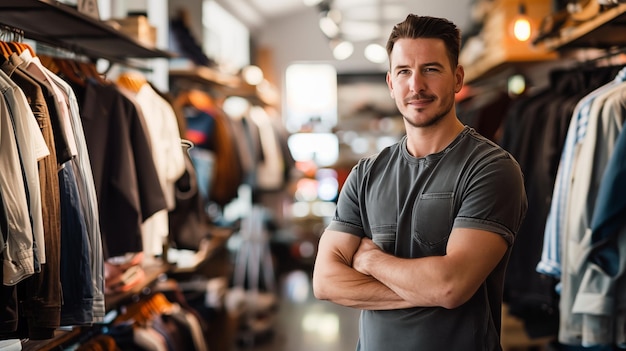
[[354, 272]]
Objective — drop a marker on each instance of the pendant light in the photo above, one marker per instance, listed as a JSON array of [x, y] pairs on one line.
[[522, 28]]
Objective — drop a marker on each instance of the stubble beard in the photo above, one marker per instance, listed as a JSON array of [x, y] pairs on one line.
[[429, 122]]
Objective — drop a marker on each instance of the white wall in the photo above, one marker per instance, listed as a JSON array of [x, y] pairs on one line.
[[299, 39], [298, 36]]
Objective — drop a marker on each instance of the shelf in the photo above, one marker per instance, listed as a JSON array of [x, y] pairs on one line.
[[60, 25], [153, 271], [496, 61], [606, 30], [499, 50], [227, 84], [205, 253], [60, 337], [205, 76]]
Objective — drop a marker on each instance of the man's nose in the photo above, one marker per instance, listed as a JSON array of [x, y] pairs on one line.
[[417, 83]]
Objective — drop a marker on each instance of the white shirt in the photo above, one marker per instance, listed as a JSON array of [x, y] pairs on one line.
[[30, 147]]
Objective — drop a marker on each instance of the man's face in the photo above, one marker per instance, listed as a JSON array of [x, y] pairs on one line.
[[422, 82]]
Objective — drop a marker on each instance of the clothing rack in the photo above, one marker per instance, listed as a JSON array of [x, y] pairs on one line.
[[60, 52], [609, 57], [79, 55], [9, 33]]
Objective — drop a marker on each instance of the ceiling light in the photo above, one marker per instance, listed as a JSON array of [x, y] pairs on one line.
[[521, 25], [334, 15], [375, 53], [252, 74], [343, 50], [235, 106], [329, 27]]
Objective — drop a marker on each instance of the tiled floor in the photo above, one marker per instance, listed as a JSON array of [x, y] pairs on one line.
[[304, 323]]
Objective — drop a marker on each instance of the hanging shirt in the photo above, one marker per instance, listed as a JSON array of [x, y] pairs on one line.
[[88, 198], [124, 171], [271, 168], [34, 66], [550, 263], [586, 318], [167, 151], [30, 146]]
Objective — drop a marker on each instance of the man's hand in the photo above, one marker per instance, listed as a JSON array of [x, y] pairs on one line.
[[335, 278], [362, 257]]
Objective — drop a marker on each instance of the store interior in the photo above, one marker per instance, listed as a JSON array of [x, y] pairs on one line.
[[196, 150]]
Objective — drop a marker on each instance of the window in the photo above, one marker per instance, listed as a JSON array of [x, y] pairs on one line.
[[226, 39], [310, 98]]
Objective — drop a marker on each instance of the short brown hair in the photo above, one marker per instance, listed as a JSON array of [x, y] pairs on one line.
[[415, 26]]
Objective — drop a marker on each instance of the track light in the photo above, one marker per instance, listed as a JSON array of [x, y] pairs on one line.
[[375, 53], [342, 49]]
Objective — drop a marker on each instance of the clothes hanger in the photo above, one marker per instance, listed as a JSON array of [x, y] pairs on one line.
[[132, 81], [146, 309], [89, 70], [5, 49], [69, 71], [27, 47], [50, 63], [14, 47], [200, 100]]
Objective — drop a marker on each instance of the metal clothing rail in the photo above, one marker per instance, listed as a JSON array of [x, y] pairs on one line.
[[8, 33]]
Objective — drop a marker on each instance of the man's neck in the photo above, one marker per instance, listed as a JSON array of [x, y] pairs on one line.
[[426, 141]]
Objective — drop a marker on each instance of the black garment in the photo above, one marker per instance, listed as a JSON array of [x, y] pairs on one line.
[[187, 45], [125, 175], [535, 132], [485, 112], [188, 221]]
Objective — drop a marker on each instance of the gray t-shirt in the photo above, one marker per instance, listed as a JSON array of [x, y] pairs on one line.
[[408, 206]]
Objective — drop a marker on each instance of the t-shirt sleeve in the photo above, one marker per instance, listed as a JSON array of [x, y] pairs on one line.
[[495, 199], [347, 216]]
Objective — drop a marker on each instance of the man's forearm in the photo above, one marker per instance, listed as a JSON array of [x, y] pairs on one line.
[[347, 287], [336, 280]]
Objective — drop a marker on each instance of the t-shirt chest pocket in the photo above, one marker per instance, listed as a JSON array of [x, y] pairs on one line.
[[433, 218]]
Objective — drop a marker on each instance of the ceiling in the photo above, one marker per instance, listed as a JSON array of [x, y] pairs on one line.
[[360, 19]]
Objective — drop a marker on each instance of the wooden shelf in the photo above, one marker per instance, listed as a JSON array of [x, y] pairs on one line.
[[606, 30], [60, 25], [492, 64], [205, 76], [60, 337], [500, 51], [226, 84]]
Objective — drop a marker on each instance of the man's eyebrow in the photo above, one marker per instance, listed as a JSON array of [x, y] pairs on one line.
[[427, 64], [433, 64], [399, 67]]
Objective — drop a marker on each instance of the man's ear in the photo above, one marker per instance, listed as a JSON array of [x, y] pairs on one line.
[[389, 83], [459, 75]]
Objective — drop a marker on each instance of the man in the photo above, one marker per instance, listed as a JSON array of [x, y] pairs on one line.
[[423, 230]]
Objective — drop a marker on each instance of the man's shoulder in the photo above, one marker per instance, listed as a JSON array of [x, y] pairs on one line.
[[480, 145], [386, 155]]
